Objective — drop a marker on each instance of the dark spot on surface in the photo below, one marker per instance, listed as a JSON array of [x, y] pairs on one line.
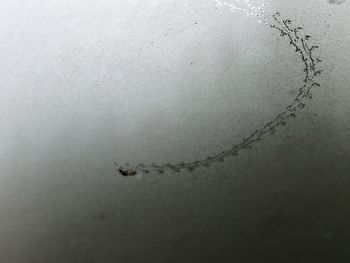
[[127, 172], [101, 217], [335, 2]]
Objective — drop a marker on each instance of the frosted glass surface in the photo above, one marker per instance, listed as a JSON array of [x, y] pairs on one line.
[[233, 116]]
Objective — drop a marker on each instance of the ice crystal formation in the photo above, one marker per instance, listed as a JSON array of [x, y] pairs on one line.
[[301, 44], [245, 7]]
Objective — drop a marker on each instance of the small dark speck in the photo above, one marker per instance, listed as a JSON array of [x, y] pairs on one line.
[[335, 2], [127, 172], [101, 217], [191, 63]]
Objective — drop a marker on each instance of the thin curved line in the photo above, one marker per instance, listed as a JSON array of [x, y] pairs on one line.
[[297, 40]]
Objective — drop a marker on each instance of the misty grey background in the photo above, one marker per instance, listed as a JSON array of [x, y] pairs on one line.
[[87, 83]]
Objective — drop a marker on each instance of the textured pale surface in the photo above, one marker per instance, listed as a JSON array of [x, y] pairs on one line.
[[86, 83]]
